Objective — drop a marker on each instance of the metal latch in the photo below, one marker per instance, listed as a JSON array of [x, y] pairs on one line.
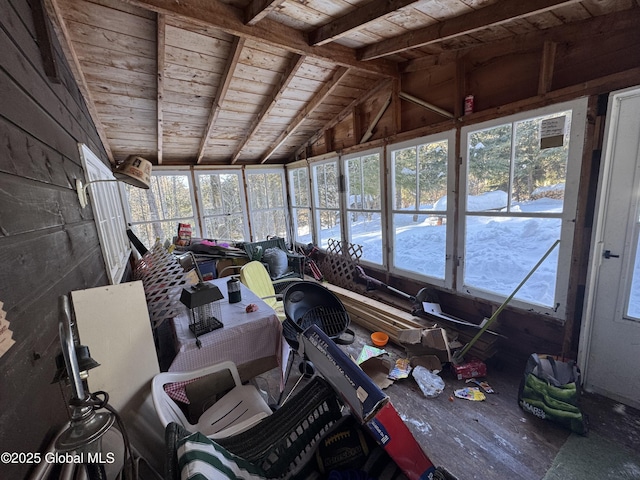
[[608, 254]]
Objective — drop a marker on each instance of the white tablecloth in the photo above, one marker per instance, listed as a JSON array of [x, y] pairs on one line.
[[243, 338]]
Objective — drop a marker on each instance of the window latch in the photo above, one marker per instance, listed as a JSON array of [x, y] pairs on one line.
[[608, 254]]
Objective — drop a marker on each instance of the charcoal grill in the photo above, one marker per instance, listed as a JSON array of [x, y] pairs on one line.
[[306, 304], [309, 303]]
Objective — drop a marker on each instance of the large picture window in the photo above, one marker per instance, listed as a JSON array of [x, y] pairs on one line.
[[364, 205], [326, 196], [155, 213], [519, 196], [267, 204], [420, 176], [222, 207], [300, 205]]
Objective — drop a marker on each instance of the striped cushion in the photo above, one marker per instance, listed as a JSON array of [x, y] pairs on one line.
[[202, 459]]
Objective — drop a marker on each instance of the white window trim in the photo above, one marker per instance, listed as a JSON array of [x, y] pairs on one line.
[[574, 165], [264, 170], [345, 203], [109, 214], [450, 137], [199, 213], [158, 172], [315, 209], [293, 207]]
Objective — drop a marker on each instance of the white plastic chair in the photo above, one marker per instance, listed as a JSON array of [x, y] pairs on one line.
[[239, 409]]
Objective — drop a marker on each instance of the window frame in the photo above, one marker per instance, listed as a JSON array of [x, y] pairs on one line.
[[578, 108], [345, 209], [316, 209], [196, 172], [450, 137], [109, 214], [266, 170], [165, 172], [293, 206]]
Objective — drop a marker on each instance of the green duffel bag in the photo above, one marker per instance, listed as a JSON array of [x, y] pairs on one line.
[[550, 389]]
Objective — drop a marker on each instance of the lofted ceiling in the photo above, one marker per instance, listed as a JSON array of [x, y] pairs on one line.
[[210, 82]]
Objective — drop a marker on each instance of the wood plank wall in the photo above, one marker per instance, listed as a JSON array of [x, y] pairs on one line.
[[48, 245]]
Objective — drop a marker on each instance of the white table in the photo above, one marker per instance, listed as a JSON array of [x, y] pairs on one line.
[[244, 338]]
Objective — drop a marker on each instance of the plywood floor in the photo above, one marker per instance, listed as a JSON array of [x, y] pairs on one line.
[[492, 439]]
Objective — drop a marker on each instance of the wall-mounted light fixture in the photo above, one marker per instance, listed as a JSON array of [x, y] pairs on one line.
[[134, 170]]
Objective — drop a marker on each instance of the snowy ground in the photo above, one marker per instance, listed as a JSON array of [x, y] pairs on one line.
[[500, 252]]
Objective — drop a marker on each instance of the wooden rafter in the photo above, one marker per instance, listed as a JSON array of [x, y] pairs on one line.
[[294, 65], [161, 34], [259, 9], [229, 19], [76, 69], [483, 18], [429, 106], [355, 19], [345, 112], [546, 67], [317, 99], [221, 93]]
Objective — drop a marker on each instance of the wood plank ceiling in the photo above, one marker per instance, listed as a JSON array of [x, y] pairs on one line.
[[215, 82]]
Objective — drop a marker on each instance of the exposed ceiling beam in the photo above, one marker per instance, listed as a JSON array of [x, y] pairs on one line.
[[229, 19], [532, 41], [355, 19], [483, 18], [259, 9], [369, 133], [161, 34], [294, 65], [221, 93], [76, 69], [317, 99], [346, 111]]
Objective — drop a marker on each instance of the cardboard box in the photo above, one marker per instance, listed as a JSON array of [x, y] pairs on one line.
[[429, 341], [367, 403]]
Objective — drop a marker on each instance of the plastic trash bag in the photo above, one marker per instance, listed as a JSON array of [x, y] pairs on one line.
[[430, 383]]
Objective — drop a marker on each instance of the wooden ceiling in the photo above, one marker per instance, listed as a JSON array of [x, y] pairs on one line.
[[213, 82]]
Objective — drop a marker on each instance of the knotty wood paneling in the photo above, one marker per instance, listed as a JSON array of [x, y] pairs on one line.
[[48, 245]]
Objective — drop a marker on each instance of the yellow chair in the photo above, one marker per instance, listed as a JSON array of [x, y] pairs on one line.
[[256, 278]]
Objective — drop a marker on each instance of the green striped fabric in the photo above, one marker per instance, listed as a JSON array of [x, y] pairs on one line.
[[199, 458]]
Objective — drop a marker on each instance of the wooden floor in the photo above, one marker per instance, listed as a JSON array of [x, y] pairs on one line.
[[493, 439]]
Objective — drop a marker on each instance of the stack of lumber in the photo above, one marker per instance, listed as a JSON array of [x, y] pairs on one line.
[[378, 316]]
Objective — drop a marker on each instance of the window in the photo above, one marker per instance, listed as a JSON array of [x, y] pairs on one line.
[[326, 200], [519, 190], [108, 214], [222, 205], [267, 204], [156, 212], [300, 205], [364, 205], [420, 176]]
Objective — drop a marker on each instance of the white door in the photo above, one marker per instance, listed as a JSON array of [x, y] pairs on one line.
[[610, 339]]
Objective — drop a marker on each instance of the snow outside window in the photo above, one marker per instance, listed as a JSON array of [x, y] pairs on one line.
[[108, 214], [519, 192], [326, 201], [364, 204], [300, 205], [420, 176], [155, 213], [222, 205]]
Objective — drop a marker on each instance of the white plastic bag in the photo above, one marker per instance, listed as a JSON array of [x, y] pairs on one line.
[[430, 383]]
